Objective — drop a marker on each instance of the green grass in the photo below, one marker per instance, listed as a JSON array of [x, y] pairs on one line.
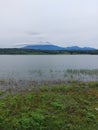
[[1, 92], [58, 107]]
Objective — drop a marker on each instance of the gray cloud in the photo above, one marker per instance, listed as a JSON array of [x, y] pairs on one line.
[[62, 22], [36, 34], [33, 33]]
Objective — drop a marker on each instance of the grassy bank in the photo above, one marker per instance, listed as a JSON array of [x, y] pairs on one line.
[[58, 107]]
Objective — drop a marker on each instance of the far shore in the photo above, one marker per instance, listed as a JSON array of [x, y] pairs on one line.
[[21, 51]]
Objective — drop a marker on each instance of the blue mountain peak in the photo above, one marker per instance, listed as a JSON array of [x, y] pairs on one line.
[[49, 46]]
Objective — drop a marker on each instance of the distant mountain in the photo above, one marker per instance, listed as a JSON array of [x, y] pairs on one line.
[[43, 47], [77, 48], [52, 47]]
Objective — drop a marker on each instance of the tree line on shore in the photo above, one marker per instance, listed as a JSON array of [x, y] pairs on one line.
[[13, 51]]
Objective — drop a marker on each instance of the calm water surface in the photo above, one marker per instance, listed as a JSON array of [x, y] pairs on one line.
[[44, 67]]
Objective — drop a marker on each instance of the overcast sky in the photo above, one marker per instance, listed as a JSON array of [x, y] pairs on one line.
[[62, 22]]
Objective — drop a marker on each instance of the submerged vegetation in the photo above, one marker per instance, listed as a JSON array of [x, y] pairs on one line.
[[82, 74], [65, 106], [83, 71]]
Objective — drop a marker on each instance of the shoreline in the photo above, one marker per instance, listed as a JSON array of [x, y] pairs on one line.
[[17, 86]]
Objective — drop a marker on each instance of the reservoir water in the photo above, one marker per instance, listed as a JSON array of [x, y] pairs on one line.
[[46, 67]]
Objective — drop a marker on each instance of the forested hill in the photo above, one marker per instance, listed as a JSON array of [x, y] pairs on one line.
[[15, 51]]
